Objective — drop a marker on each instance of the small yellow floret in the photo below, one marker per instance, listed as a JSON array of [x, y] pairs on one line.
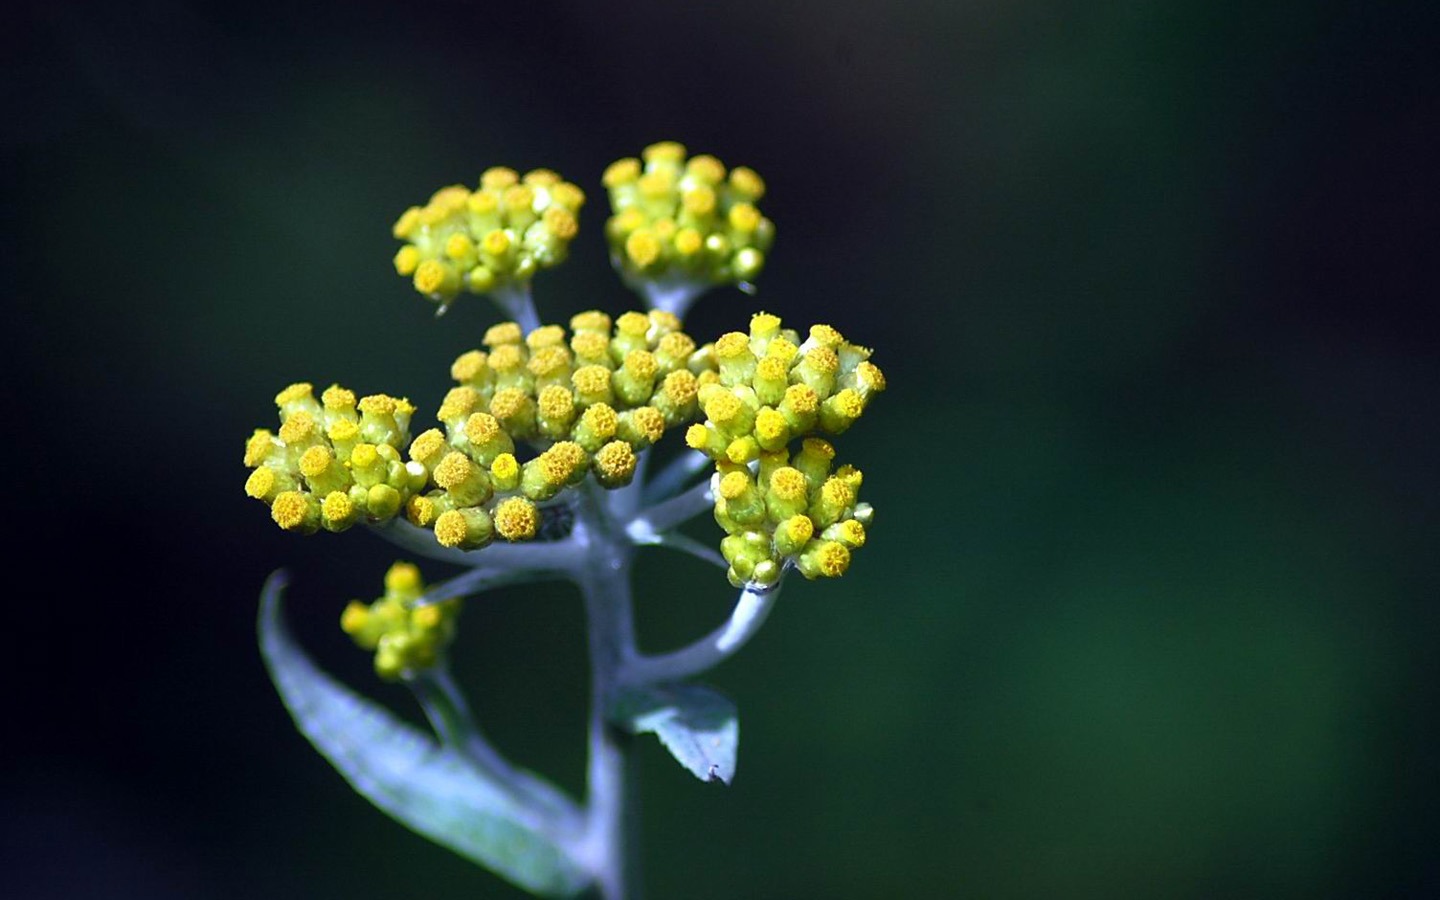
[[621, 171], [451, 529], [723, 407], [497, 178], [649, 422], [297, 428], [680, 387], [734, 484], [482, 203], [561, 222], [355, 617], [458, 402], [379, 405], [744, 217], [407, 260], [290, 510], [409, 220], [641, 364], [764, 323], [568, 195], [664, 151], [459, 246], [600, 419], [506, 405], [770, 426], [634, 324], [835, 493], [822, 359], [801, 398], [688, 241], [261, 483], [591, 379], [337, 398], [468, 366], [258, 446], [851, 532], [315, 461], [642, 247], [787, 484], [549, 362], [403, 577], [615, 462], [590, 344], [541, 177], [502, 333], [294, 393], [706, 168], [364, 456], [482, 428], [699, 201], [519, 198], [505, 468], [495, 242], [744, 180], [516, 519], [453, 471], [590, 320], [556, 403], [337, 507], [697, 436], [797, 529], [420, 511], [343, 430], [427, 617], [545, 336], [832, 559]]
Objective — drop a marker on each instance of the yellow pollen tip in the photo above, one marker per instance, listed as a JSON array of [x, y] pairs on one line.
[[427, 617], [848, 403], [427, 446], [561, 222], [545, 336], [364, 456], [664, 151], [261, 483], [409, 220], [591, 379], [771, 369], [634, 324], [297, 428], [699, 201], [505, 467], [482, 428], [430, 276], [379, 405], [541, 177], [802, 398], [459, 246], [555, 402], [468, 366], [615, 461], [706, 168], [458, 402], [453, 470], [406, 260], [403, 577], [502, 333], [744, 217], [798, 529], [549, 362], [519, 197], [787, 484], [516, 519], [497, 178], [342, 430], [621, 171], [568, 195], [852, 532], [257, 447], [770, 425], [336, 507], [590, 320], [420, 511], [315, 461], [680, 386], [823, 359], [590, 344], [697, 436], [733, 485], [826, 336], [641, 364], [723, 407], [495, 242], [832, 559], [764, 323], [451, 529], [354, 618], [294, 393], [676, 345], [506, 404], [642, 247], [732, 345], [649, 422], [747, 182], [688, 241], [819, 446], [836, 493], [338, 398], [782, 349], [289, 510]]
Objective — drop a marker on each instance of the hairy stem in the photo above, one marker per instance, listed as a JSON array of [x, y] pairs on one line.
[[752, 607]]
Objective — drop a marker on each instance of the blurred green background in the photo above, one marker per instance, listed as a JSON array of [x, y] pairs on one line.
[[1150, 607]]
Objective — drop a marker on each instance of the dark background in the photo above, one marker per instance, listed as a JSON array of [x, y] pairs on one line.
[[1150, 607]]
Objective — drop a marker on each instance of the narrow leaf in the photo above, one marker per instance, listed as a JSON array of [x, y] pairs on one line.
[[426, 787], [696, 724]]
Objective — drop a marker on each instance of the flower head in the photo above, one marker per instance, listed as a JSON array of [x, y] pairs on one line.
[[406, 638]]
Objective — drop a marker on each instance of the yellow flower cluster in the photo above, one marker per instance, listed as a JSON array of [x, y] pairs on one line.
[[759, 393], [335, 461], [593, 402], [679, 220], [490, 238], [406, 638]]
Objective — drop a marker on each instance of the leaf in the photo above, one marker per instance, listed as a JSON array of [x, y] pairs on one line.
[[430, 789], [696, 724]]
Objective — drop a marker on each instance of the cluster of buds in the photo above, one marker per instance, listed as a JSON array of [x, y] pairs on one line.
[[335, 461], [406, 638], [790, 511], [591, 402], [760, 392], [489, 239], [685, 221]]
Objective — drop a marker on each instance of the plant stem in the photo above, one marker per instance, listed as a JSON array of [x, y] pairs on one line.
[[752, 607], [516, 302], [604, 580]]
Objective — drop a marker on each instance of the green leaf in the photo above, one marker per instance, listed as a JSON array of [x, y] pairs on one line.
[[428, 788], [696, 724]]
